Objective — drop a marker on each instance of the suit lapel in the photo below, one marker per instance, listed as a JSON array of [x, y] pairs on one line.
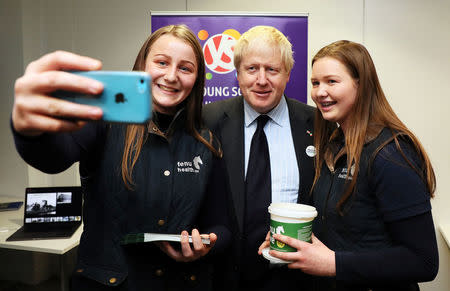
[[233, 147], [299, 127]]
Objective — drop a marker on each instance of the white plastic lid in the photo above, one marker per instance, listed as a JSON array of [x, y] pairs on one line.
[[292, 210], [273, 260]]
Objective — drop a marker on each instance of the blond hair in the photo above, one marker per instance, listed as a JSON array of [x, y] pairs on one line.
[[266, 35]]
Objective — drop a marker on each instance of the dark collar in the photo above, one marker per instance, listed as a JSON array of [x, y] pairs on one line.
[[336, 146], [178, 121]]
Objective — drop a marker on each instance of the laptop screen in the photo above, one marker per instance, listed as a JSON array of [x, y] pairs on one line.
[[52, 205]]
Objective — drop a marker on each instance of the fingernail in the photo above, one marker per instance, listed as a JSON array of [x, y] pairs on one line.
[[95, 64], [95, 111], [95, 87]]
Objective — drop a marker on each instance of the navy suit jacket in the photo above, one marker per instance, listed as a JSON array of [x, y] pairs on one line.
[[226, 120]]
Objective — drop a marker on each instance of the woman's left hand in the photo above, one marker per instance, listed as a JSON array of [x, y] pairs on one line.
[[188, 252], [313, 258], [265, 244]]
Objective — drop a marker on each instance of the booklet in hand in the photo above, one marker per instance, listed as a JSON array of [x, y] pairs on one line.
[[148, 237]]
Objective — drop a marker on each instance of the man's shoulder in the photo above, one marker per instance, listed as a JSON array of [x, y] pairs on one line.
[[215, 110], [222, 104], [300, 107]]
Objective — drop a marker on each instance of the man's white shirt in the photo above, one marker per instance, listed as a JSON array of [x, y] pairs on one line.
[[283, 161]]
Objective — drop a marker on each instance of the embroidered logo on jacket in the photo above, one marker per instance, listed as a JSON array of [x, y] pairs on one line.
[[190, 167], [344, 173], [197, 162]]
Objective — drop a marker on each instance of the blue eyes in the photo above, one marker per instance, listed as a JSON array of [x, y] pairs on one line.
[[181, 68], [270, 70]]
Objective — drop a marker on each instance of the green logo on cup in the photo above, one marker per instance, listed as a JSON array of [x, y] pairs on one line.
[[301, 231], [290, 219]]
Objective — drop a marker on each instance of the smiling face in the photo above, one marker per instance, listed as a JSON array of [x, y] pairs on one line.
[[262, 77], [172, 65], [333, 90]]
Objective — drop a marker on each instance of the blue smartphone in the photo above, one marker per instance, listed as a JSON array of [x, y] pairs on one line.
[[126, 96]]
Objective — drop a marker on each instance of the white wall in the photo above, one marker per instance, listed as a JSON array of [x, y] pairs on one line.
[[408, 39], [13, 172]]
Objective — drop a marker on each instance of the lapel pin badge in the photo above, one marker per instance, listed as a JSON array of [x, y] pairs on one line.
[[310, 151], [309, 133]]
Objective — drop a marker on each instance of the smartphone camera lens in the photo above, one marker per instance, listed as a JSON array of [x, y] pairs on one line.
[[142, 85]]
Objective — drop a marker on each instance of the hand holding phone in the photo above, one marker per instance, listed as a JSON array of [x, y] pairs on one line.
[[126, 96], [191, 247], [35, 113]]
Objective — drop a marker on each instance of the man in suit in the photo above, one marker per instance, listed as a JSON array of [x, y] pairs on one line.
[[263, 59]]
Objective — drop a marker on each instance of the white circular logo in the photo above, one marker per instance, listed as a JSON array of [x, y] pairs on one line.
[[311, 151], [218, 51]]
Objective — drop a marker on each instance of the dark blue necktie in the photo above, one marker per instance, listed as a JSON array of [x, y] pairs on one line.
[[258, 192], [257, 182]]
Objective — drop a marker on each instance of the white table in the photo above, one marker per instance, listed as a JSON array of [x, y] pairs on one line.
[[10, 221]]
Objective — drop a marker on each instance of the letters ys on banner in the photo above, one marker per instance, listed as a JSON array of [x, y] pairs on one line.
[[218, 34]]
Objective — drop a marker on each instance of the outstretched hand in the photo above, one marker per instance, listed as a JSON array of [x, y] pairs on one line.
[[313, 258], [188, 252], [35, 111]]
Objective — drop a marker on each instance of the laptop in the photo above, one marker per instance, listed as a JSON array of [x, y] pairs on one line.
[[49, 213]]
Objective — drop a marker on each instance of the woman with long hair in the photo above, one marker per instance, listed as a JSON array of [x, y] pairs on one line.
[[159, 177], [372, 187]]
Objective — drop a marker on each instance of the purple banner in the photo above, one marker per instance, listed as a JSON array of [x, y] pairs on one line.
[[218, 34]]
